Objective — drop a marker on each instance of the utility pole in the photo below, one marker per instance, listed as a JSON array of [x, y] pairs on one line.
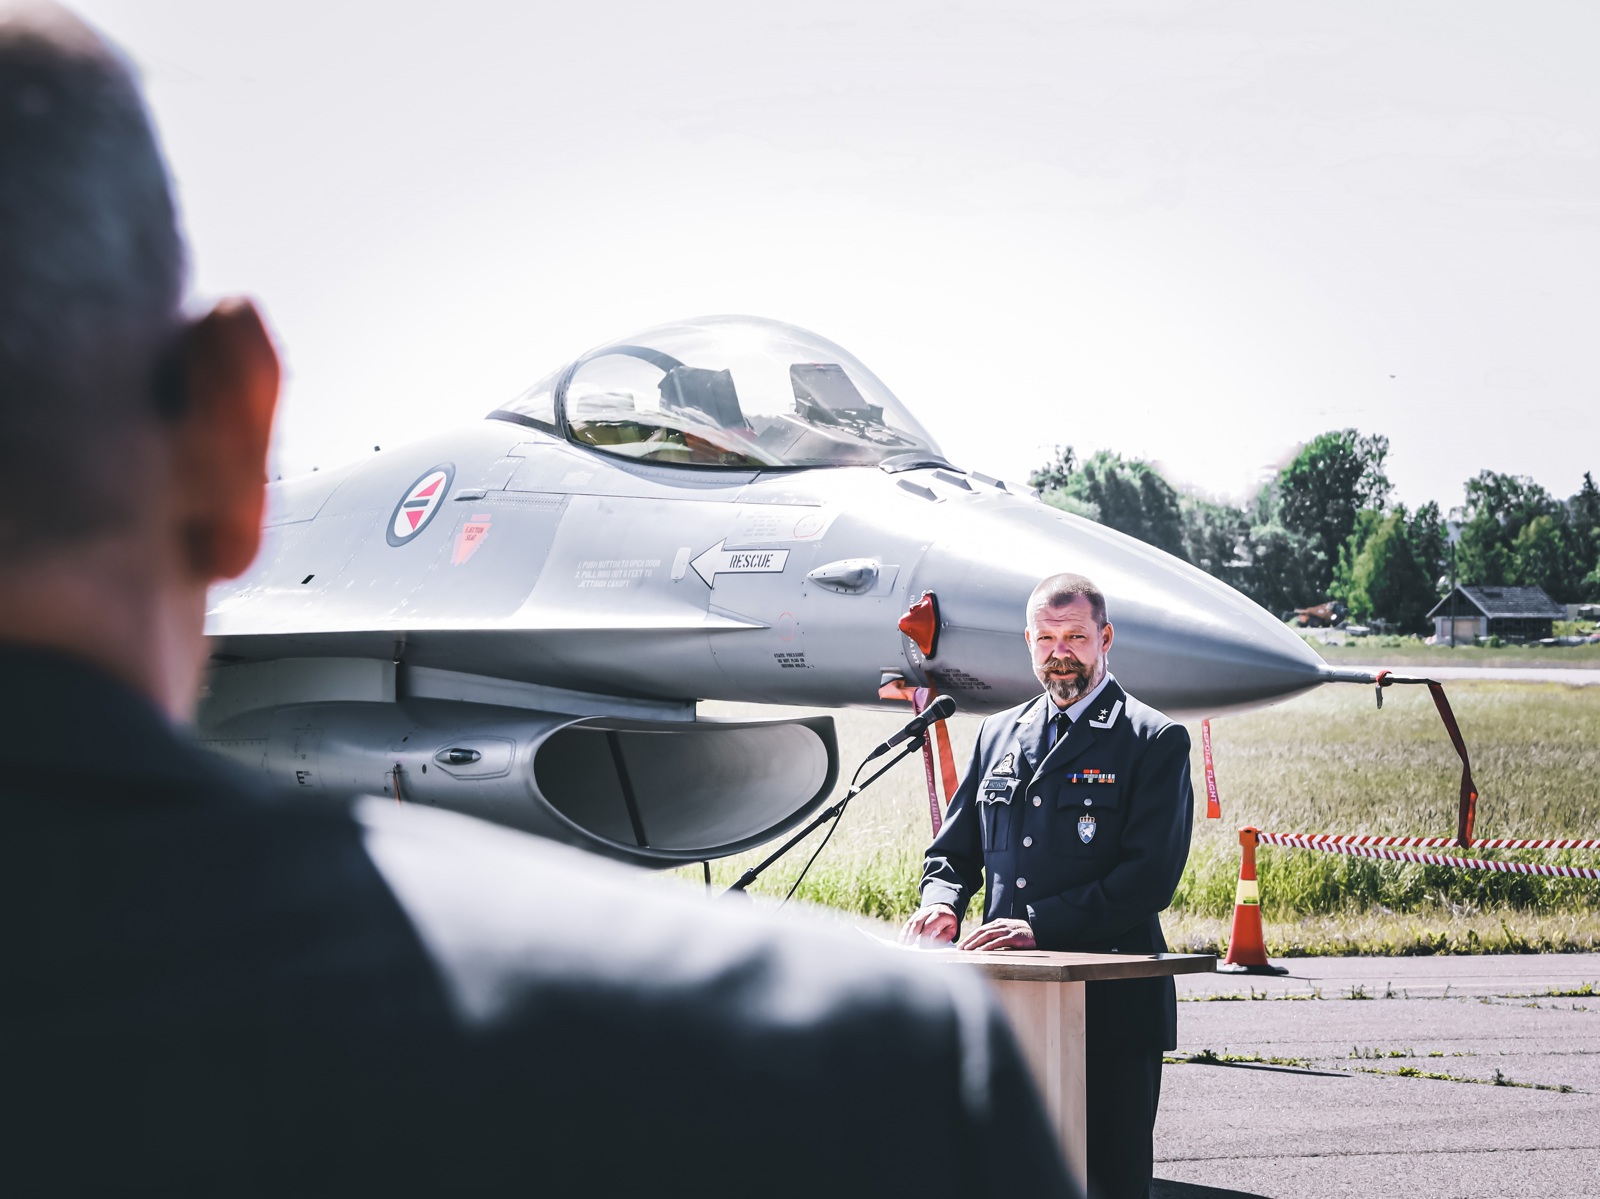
[[1454, 537], [1452, 595]]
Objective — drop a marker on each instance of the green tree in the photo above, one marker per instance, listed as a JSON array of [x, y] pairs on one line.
[[1128, 495], [1284, 566], [1430, 544], [1344, 585], [1216, 538], [1583, 525], [1498, 507], [1539, 557], [1333, 477], [1057, 473], [1386, 582]]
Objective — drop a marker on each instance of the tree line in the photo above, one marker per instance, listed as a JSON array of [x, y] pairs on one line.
[[1326, 527]]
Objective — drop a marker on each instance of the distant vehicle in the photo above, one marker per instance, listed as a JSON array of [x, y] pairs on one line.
[[1330, 615], [516, 619]]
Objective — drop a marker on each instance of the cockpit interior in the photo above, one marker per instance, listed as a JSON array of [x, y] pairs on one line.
[[725, 391]]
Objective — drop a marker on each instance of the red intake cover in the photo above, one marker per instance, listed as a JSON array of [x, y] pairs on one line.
[[921, 624]]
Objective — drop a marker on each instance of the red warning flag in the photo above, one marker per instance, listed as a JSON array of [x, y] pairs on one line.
[[1213, 801]]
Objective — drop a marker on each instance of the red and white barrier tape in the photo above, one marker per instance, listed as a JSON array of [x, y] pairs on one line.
[[1442, 842], [1327, 845]]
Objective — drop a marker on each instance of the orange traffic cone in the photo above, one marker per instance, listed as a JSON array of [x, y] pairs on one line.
[[1247, 946]]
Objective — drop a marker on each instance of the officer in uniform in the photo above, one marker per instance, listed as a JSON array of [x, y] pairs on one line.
[[1077, 807]]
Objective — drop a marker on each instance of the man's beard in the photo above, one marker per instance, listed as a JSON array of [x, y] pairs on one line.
[[1067, 682]]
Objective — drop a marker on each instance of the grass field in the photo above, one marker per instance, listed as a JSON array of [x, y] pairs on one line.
[[1327, 762]]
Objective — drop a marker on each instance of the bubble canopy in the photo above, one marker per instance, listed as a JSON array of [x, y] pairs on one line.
[[731, 392]]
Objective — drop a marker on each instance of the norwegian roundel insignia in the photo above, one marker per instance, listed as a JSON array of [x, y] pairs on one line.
[[1086, 829], [420, 504]]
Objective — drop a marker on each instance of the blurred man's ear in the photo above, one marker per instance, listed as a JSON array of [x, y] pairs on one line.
[[231, 380]]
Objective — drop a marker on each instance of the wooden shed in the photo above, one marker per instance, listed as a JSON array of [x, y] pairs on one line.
[[1512, 613]]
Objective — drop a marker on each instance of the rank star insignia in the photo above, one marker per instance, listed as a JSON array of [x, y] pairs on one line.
[[1007, 767], [1086, 829], [1105, 718]]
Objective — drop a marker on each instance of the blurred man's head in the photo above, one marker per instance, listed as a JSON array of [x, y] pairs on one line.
[[1068, 636], [132, 439]]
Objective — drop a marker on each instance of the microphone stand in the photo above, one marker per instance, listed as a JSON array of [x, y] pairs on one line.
[[831, 812]]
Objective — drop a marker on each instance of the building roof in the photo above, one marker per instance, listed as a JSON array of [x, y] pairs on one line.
[[1497, 602]]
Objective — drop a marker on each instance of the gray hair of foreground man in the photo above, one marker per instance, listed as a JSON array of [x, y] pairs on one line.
[[92, 271], [1060, 590]]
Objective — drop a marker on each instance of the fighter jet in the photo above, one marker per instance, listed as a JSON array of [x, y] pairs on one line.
[[517, 619]]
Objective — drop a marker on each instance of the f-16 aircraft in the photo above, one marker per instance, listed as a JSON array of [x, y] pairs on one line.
[[517, 619]]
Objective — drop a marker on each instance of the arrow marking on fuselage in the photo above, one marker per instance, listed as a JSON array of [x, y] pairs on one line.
[[718, 561]]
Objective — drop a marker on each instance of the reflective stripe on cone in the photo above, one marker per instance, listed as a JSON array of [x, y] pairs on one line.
[[1247, 947]]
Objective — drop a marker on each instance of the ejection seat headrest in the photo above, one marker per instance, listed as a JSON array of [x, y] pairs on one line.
[[709, 392]]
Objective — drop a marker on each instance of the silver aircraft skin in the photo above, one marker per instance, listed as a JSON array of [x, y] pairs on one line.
[[517, 619]]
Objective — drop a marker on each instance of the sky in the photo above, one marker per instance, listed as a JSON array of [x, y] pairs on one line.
[[1194, 233]]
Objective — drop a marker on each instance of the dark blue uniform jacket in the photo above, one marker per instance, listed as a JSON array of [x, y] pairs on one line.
[[1086, 843]]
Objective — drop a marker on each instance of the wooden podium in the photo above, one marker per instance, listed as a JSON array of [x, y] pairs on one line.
[[1042, 993]]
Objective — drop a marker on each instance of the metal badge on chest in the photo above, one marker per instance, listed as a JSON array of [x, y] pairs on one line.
[[1086, 828]]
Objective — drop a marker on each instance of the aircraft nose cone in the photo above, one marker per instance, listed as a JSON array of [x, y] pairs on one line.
[[1185, 642]]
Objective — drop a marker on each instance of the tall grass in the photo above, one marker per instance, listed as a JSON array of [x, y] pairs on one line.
[[1328, 762]]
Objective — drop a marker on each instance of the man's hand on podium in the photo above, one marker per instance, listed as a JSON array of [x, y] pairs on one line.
[[1000, 934], [936, 922]]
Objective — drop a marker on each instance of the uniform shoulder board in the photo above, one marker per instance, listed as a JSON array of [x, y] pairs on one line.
[[1104, 717]]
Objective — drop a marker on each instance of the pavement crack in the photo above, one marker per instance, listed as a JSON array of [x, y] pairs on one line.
[[1251, 1061], [1499, 1079]]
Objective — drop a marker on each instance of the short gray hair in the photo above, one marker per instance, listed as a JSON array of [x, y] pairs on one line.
[[1060, 590], [92, 275]]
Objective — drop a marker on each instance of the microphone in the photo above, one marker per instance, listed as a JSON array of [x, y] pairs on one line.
[[940, 709]]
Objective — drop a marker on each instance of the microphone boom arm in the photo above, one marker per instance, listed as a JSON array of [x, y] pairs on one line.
[[831, 812]]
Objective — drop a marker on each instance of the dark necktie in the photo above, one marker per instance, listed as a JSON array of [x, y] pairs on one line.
[[1062, 723]]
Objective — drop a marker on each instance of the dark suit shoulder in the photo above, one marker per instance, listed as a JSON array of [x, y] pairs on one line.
[[1148, 723], [1000, 724], [653, 1006], [505, 916]]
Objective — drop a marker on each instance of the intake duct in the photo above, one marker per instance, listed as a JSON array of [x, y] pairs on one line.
[[653, 793]]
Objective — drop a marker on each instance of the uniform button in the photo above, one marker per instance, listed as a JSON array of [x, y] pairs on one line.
[[1027, 841], [1036, 801], [1088, 803], [1021, 882]]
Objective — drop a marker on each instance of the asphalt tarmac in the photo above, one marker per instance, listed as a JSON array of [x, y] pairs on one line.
[[1333, 1098]]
